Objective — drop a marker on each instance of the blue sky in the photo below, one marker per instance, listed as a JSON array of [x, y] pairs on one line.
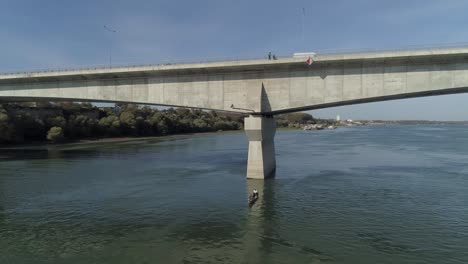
[[57, 34]]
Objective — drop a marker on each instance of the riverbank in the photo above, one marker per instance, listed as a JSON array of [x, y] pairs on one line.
[[71, 122], [117, 140], [95, 141]]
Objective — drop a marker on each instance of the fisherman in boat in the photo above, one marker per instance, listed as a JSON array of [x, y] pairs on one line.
[[253, 197], [255, 193]]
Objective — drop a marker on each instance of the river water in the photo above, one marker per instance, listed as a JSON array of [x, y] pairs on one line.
[[389, 194]]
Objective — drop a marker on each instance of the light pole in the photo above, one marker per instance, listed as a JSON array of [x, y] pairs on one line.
[[302, 26], [110, 43]]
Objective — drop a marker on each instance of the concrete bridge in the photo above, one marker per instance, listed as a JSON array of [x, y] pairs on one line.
[[261, 88]]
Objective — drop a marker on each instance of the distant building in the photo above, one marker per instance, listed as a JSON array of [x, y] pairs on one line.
[[338, 118]]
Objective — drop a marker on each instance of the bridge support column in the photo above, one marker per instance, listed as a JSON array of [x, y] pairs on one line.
[[260, 131]]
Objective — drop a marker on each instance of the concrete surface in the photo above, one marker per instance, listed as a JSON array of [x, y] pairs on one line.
[[289, 84], [260, 131]]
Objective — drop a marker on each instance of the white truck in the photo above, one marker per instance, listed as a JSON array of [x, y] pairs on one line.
[[304, 55]]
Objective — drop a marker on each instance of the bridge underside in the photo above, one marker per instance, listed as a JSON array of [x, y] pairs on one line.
[[373, 100], [12, 99], [448, 91]]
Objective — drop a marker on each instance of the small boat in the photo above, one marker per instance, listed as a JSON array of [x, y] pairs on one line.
[[252, 199]]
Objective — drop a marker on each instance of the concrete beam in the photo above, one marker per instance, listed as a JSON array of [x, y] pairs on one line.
[[288, 84]]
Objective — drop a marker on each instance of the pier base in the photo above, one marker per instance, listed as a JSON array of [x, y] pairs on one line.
[[260, 131]]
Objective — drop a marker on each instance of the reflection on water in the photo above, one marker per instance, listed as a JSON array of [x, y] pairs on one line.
[[352, 195], [264, 244]]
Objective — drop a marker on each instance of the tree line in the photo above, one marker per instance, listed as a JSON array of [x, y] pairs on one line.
[[294, 120], [68, 121], [56, 122]]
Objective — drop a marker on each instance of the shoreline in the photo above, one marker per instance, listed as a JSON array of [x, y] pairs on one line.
[[93, 141], [90, 141]]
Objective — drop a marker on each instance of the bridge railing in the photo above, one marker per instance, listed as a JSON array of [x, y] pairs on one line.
[[232, 59], [120, 64], [405, 48]]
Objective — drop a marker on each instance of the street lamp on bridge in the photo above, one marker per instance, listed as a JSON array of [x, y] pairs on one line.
[[110, 43]]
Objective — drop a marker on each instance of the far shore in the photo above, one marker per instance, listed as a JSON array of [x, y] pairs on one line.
[[90, 141]]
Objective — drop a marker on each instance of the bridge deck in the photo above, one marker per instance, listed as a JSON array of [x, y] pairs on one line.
[[229, 66], [256, 86]]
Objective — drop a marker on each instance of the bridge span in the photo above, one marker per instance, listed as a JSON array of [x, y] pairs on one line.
[[261, 88]]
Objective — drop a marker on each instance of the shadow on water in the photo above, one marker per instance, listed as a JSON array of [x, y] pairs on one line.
[[264, 237], [206, 232], [90, 150], [253, 235], [48, 153], [383, 243]]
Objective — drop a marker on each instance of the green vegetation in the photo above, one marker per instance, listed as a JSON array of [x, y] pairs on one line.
[[55, 134], [26, 122], [67, 121], [299, 120], [294, 120]]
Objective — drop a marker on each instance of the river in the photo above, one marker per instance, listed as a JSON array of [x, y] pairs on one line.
[[384, 194]]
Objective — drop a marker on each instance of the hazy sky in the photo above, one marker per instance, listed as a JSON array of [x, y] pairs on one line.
[[50, 34]]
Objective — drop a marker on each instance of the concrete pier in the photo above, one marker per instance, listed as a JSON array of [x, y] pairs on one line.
[[260, 131]]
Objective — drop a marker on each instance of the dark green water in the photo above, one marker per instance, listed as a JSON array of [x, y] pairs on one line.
[[352, 195]]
